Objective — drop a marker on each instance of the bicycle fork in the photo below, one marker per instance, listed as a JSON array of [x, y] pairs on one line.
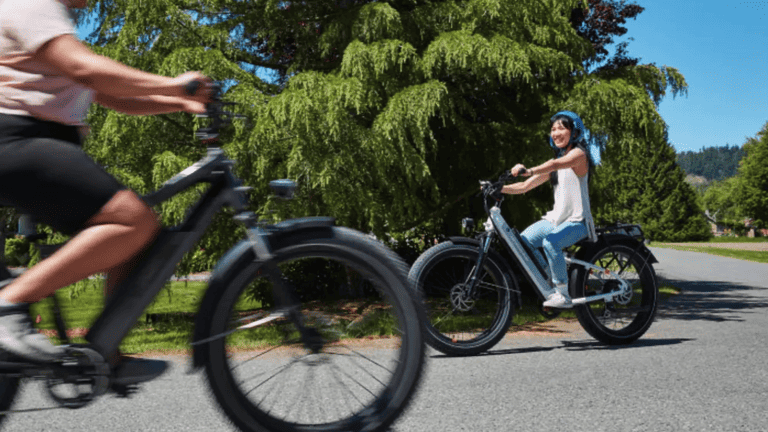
[[476, 273]]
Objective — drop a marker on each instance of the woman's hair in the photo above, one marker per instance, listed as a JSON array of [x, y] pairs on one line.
[[577, 139]]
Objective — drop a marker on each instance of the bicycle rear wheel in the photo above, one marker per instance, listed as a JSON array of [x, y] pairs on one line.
[[628, 317], [367, 367]]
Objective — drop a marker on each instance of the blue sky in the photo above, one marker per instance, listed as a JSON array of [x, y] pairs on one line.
[[722, 50]]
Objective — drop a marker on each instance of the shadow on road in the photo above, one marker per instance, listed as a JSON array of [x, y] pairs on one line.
[[584, 345], [712, 301]]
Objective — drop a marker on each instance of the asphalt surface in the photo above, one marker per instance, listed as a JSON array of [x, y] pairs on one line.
[[700, 367]]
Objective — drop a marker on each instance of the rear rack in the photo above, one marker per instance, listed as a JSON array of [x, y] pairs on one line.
[[631, 230]]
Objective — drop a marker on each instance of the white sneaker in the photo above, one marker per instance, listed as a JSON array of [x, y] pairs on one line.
[[18, 336], [558, 300]]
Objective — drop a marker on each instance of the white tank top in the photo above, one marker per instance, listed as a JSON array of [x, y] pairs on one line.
[[572, 201]]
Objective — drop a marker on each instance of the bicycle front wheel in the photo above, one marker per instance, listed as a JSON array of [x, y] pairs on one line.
[[459, 322], [367, 354]]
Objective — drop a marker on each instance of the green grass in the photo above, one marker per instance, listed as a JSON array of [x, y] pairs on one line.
[[170, 331], [754, 256], [737, 240]]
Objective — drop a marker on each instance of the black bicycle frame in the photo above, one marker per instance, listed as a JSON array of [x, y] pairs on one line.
[[157, 264]]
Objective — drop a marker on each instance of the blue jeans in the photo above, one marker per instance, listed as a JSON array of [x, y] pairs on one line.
[[554, 239]]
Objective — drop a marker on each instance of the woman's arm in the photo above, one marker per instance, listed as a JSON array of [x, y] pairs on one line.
[[523, 187], [575, 159], [74, 60], [150, 105]]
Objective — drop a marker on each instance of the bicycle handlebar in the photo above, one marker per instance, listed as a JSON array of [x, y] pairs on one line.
[[213, 110]]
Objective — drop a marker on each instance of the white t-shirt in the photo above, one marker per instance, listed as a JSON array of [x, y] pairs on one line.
[[29, 87], [572, 201]]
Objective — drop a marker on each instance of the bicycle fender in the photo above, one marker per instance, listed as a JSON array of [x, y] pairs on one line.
[[281, 235], [506, 268], [589, 249]]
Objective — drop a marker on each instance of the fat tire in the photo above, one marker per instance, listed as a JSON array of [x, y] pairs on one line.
[[648, 300], [9, 385], [9, 388], [360, 251], [424, 270]]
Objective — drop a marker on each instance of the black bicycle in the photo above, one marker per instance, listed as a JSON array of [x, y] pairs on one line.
[[470, 291], [317, 366]]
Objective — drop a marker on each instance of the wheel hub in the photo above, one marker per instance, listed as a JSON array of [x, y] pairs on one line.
[[460, 298], [614, 286]]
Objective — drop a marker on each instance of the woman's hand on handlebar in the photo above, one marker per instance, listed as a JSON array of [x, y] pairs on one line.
[[520, 169], [196, 89]]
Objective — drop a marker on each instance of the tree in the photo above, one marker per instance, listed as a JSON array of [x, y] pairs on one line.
[[646, 186], [752, 185], [600, 24], [713, 163], [721, 201], [387, 112]]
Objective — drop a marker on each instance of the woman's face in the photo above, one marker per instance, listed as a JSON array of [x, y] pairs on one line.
[[560, 134]]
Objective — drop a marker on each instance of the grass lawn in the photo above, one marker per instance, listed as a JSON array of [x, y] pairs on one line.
[[737, 240], [166, 326], [712, 249]]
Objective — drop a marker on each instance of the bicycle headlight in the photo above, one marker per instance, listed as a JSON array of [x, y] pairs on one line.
[[468, 225]]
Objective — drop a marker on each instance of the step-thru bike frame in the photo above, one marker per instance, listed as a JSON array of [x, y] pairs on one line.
[[137, 291], [540, 276], [265, 246], [471, 289]]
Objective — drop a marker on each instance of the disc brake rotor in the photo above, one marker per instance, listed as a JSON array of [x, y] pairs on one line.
[[460, 298], [615, 286]]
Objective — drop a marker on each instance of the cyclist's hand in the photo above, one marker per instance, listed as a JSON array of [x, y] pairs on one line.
[[202, 94], [519, 169]]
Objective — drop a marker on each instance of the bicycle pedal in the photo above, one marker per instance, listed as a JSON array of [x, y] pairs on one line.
[[124, 391]]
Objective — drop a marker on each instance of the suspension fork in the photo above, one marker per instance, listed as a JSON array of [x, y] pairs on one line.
[[474, 278], [288, 301]]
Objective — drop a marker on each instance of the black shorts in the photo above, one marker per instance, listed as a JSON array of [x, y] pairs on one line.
[[45, 173]]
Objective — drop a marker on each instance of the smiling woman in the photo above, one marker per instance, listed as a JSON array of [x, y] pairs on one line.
[[571, 218]]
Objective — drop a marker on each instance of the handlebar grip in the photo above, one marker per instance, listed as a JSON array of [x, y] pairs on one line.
[[192, 87]]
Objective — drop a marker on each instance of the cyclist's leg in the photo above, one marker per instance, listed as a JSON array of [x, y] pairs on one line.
[[534, 235], [46, 174], [121, 229], [566, 234]]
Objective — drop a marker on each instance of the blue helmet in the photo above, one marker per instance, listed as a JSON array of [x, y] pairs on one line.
[[578, 134]]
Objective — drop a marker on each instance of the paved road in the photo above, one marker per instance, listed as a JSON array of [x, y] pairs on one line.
[[701, 367]]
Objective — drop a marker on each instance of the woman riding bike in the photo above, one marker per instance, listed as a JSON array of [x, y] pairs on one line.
[[48, 79], [571, 218]]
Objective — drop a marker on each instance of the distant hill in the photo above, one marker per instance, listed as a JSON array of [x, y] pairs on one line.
[[712, 163]]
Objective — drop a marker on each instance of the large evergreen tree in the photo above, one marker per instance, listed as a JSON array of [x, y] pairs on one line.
[[752, 185], [386, 112], [647, 186]]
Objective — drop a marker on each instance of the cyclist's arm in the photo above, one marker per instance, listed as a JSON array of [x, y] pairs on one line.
[[74, 60], [575, 159], [149, 105], [523, 187]]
